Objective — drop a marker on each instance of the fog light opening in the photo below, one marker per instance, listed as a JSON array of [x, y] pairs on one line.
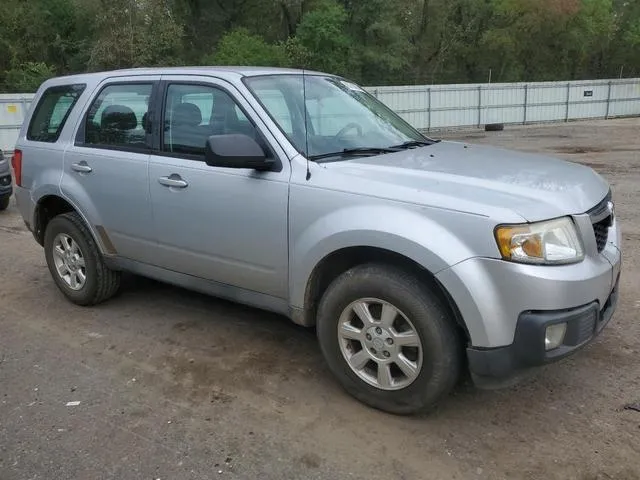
[[554, 335]]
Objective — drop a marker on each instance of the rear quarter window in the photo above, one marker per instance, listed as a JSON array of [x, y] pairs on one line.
[[52, 112]]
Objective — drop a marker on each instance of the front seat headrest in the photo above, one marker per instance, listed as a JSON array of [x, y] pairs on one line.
[[119, 117], [187, 114]]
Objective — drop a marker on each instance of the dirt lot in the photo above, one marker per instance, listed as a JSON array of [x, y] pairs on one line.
[[175, 385]]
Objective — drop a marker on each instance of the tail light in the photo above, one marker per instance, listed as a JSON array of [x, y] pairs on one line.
[[16, 163]]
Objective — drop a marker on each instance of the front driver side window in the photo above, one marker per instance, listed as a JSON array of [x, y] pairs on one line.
[[193, 113]]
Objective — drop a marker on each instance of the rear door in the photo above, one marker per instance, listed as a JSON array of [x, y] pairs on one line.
[[223, 224], [106, 168]]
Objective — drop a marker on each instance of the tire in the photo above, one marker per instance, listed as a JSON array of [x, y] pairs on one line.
[[494, 127], [440, 343], [101, 283], [4, 203]]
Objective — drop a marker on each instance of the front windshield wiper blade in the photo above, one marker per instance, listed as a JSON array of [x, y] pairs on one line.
[[355, 151], [414, 143]]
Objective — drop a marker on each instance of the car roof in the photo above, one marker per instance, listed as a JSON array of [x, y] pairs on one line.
[[221, 71]]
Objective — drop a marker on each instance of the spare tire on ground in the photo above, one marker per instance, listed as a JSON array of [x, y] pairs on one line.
[[494, 127]]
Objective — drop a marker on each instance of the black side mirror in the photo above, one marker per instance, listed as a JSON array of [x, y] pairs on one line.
[[235, 151]]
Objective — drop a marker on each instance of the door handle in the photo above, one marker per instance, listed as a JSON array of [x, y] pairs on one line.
[[81, 167], [173, 181]]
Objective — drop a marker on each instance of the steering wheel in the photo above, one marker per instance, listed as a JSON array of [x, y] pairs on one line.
[[349, 126]]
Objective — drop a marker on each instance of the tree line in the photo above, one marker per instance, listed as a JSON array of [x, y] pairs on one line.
[[374, 42]]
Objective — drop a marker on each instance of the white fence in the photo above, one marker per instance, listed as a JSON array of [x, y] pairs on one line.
[[441, 106], [430, 107]]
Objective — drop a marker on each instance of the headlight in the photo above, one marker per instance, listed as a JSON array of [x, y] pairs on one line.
[[545, 243]]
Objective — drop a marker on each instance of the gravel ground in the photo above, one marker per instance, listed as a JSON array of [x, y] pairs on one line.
[[175, 385]]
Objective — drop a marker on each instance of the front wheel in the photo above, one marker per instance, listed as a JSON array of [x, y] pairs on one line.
[[75, 262], [4, 202], [388, 339]]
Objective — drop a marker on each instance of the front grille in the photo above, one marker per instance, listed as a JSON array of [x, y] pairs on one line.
[[601, 230], [5, 181], [602, 219]]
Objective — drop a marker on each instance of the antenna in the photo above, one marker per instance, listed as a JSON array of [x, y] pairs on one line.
[[306, 126]]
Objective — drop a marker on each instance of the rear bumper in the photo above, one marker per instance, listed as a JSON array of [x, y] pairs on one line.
[[528, 348]]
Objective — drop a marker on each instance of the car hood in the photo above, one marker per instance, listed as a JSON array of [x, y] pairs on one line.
[[475, 178]]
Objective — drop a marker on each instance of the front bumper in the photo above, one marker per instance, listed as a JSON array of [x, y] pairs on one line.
[[506, 307], [527, 350]]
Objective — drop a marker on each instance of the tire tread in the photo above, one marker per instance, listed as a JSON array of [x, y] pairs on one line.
[[107, 280], [442, 381]]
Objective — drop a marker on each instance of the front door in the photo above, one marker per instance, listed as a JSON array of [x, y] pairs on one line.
[[223, 224], [106, 168]]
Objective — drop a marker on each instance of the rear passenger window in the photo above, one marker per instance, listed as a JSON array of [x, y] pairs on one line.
[[193, 113], [52, 111], [116, 118]]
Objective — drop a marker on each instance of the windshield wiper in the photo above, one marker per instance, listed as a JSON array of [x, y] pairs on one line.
[[414, 143], [355, 151]]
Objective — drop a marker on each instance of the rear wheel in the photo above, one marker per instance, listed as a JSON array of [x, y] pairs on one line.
[[4, 203], [388, 339], [75, 262]]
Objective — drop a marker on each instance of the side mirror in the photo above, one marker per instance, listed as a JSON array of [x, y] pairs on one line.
[[235, 151]]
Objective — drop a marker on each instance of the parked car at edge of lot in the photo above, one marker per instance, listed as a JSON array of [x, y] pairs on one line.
[[6, 188], [298, 192]]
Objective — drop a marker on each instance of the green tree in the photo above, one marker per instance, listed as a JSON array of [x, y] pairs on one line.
[[240, 47], [545, 39], [40, 32], [135, 33], [28, 76], [380, 40], [322, 33], [624, 51]]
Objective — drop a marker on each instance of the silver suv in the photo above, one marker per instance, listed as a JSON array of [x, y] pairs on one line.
[[298, 192]]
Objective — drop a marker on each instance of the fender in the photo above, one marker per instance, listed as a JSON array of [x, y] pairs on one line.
[[46, 188], [88, 211], [400, 228]]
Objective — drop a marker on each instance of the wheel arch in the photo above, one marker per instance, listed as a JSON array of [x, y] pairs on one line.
[[337, 262], [52, 205]]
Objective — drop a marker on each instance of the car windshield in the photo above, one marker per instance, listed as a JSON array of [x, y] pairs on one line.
[[341, 118]]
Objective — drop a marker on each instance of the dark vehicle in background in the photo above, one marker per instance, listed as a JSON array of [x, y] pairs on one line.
[[5, 182]]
